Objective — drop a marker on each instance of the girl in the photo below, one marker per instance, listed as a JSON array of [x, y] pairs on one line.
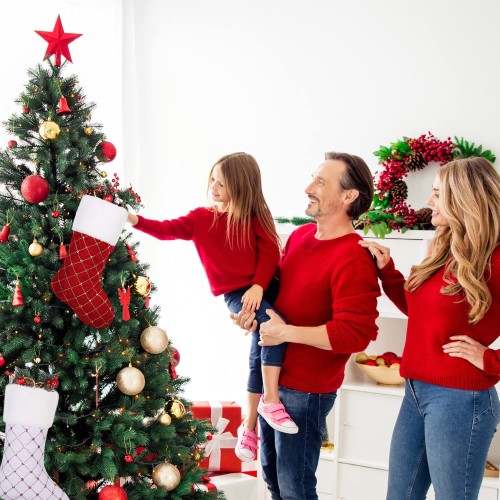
[[239, 249], [451, 409]]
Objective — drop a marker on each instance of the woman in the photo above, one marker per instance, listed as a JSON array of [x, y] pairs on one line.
[[451, 409]]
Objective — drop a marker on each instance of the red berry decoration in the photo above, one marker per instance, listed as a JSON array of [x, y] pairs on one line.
[[21, 381], [35, 189], [107, 150], [55, 214], [113, 492], [12, 144]]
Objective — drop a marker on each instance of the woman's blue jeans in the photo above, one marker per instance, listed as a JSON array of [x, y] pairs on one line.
[[289, 461], [442, 436], [268, 356]]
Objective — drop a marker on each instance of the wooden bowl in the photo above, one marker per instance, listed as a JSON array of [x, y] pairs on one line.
[[382, 374]]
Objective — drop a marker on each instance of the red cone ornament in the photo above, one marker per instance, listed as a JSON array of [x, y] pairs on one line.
[[35, 189], [62, 107], [4, 235], [62, 252], [18, 296]]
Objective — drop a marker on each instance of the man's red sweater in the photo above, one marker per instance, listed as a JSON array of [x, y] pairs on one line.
[[332, 282], [227, 268], [433, 318]]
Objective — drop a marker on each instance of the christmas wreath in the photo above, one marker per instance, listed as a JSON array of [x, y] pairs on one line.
[[389, 209]]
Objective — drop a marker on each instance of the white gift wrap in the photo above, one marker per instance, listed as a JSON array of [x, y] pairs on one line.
[[236, 485]]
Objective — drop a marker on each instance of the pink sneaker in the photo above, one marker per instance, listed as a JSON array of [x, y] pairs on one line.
[[277, 417], [246, 447]]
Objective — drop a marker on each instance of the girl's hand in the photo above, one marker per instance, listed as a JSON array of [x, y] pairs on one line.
[[466, 348], [272, 331], [132, 219], [252, 298], [382, 254]]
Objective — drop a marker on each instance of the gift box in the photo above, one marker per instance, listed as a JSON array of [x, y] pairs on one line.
[[235, 485], [225, 416]]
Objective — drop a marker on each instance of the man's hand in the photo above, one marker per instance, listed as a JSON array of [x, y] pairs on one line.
[[272, 332], [252, 298], [245, 320], [466, 348]]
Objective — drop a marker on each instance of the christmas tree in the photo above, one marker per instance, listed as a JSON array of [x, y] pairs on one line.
[[78, 338]]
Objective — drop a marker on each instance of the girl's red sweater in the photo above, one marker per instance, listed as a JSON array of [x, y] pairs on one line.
[[332, 282], [227, 269], [433, 318]]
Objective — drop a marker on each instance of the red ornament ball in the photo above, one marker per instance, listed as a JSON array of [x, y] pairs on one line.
[[107, 150], [55, 214], [35, 189], [128, 458], [12, 144], [113, 492], [26, 110], [37, 319], [108, 197], [2, 360], [174, 354]]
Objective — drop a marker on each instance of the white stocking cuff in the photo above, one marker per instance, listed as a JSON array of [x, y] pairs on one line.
[[29, 406]]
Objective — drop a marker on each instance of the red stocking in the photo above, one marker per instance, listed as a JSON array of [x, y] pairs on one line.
[[96, 229]]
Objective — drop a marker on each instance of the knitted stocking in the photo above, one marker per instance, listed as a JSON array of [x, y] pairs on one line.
[[96, 229], [28, 414]]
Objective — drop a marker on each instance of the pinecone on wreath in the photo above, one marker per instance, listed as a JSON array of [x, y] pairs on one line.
[[399, 190], [424, 216], [414, 162]]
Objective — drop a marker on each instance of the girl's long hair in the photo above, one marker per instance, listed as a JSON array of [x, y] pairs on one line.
[[246, 199], [470, 195]]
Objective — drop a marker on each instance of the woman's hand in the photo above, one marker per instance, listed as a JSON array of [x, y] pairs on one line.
[[382, 254], [272, 332], [466, 348]]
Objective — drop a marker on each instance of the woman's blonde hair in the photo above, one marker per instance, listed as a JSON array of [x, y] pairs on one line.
[[470, 195], [246, 199]]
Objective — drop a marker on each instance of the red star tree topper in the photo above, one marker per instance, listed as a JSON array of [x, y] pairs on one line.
[[58, 41]]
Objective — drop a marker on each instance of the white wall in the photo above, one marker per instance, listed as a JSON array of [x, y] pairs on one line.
[[287, 80]]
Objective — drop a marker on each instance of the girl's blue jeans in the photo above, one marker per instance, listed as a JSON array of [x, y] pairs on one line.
[[289, 461], [442, 436], [268, 356]]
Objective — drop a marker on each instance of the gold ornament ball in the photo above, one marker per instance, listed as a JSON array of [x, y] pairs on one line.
[[154, 340], [142, 285], [164, 419], [35, 249], [166, 476], [175, 408], [130, 381], [88, 130], [103, 174], [49, 130], [196, 456]]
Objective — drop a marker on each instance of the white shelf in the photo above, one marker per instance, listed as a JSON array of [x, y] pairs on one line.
[[373, 387]]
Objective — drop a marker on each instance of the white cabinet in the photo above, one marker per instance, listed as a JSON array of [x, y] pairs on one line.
[[364, 414]]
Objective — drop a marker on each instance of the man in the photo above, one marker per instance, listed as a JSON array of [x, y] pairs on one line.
[[328, 296]]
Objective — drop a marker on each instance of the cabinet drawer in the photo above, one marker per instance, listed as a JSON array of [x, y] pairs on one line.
[[361, 483], [405, 252], [325, 473], [366, 421]]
